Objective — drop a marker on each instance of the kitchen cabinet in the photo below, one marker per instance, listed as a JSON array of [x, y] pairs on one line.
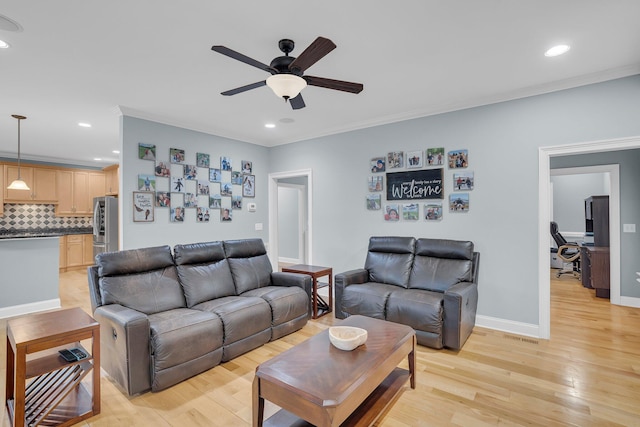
[[76, 251], [87, 257], [76, 190], [111, 180], [41, 182], [63, 253]]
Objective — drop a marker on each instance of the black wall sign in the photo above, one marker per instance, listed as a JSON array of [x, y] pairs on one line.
[[422, 184]]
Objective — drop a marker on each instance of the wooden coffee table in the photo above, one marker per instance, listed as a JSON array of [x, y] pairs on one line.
[[325, 386]]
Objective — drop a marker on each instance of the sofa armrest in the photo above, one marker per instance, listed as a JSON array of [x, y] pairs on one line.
[[342, 280], [292, 279], [460, 306], [94, 287], [125, 347]]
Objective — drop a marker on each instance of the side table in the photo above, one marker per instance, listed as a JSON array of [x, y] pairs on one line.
[[320, 306], [41, 387]]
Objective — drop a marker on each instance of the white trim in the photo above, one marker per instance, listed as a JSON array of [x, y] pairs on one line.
[[630, 302], [544, 216], [19, 310], [289, 260], [509, 326], [273, 213]]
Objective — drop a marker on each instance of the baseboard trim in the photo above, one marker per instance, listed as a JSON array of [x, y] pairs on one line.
[[510, 326], [19, 310], [630, 302]]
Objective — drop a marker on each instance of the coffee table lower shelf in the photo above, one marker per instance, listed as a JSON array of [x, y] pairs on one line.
[[373, 407]]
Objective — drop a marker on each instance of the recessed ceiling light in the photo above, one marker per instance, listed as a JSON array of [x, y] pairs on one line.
[[4, 44], [269, 125], [116, 151], [557, 50], [97, 159], [84, 125]]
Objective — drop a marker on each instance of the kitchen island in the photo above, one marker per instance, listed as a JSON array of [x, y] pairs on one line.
[[30, 278]]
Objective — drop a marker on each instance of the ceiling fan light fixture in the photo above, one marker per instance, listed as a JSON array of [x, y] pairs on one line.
[[18, 184], [286, 86]]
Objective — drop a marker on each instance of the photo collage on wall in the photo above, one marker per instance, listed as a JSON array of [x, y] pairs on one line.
[[192, 190], [410, 186]]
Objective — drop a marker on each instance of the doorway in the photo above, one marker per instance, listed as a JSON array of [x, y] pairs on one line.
[[290, 217]]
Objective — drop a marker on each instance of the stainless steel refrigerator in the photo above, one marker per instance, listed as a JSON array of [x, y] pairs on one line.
[[105, 224]]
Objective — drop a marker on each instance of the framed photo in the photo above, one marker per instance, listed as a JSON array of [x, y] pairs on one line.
[[435, 156], [225, 163], [146, 151], [177, 214], [247, 167], [177, 184], [410, 212], [395, 160], [391, 212], [459, 202], [377, 164], [202, 214], [143, 206], [374, 202], [225, 215], [162, 169], [190, 200], [226, 189], [215, 201], [458, 159], [462, 181], [146, 182], [215, 175], [190, 172], [433, 211], [163, 199], [236, 178], [176, 155], [249, 186], [414, 159], [203, 188], [375, 183], [236, 202], [202, 160]]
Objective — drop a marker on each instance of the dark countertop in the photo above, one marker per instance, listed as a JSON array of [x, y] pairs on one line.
[[43, 232]]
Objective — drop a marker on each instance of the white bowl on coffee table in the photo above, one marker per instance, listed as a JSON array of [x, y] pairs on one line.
[[347, 337]]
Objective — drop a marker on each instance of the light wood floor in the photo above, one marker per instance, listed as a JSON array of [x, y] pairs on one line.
[[587, 374]]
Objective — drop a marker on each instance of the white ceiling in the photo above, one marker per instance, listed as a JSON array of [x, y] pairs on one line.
[[90, 60]]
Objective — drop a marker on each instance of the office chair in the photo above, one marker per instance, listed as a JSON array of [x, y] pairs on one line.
[[567, 252]]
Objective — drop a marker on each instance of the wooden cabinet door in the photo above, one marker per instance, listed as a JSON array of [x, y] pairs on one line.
[[63, 252], [81, 201], [65, 192], [97, 184], [44, 185], [88, 249], [111, 180], [75, 250], [11, 174]]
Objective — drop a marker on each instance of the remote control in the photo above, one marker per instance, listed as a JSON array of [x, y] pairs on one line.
[[67, 355], [79, 354]]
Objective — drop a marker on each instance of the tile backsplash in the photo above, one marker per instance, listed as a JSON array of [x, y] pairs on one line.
[[30, 217]]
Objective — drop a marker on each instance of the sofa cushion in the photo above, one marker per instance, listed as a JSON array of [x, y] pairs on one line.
[[286, 302], [367, 299], [440, 264], [389, 260], [145, 280], [422, 310], [203, 271], [249, 264]]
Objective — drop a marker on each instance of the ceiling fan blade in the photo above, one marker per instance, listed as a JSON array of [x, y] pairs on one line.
[[244, 88], [297, 102], [334, 84], [242, 58], [312, 54]]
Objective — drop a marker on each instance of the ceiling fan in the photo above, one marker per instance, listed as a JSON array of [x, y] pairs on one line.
[[287, 72]]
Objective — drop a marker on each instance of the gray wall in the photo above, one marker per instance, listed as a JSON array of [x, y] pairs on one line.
[[569, 192], [503, 141], [164, 232], [629, 207]]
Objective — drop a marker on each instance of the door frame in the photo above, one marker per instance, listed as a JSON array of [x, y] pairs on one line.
[[544, 217], [273, 213]]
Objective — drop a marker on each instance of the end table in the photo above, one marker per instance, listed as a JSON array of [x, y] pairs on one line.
[[320, 306], [41, 387]]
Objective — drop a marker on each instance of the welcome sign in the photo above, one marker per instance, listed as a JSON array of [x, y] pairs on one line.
[[422, 184]]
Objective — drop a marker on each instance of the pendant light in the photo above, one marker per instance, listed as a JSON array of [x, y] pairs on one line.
[[18, 184]]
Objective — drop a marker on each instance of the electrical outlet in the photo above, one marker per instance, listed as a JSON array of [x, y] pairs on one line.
[[258, 226], [628, 228]]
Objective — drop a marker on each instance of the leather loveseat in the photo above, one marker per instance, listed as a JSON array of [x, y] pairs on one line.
[[165, 317], [428, 284]]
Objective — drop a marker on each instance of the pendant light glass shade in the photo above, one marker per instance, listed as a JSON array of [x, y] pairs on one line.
[[286, 86], [18, 184]]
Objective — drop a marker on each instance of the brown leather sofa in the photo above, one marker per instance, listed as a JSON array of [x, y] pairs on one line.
[[428, 284], [166, 317]]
